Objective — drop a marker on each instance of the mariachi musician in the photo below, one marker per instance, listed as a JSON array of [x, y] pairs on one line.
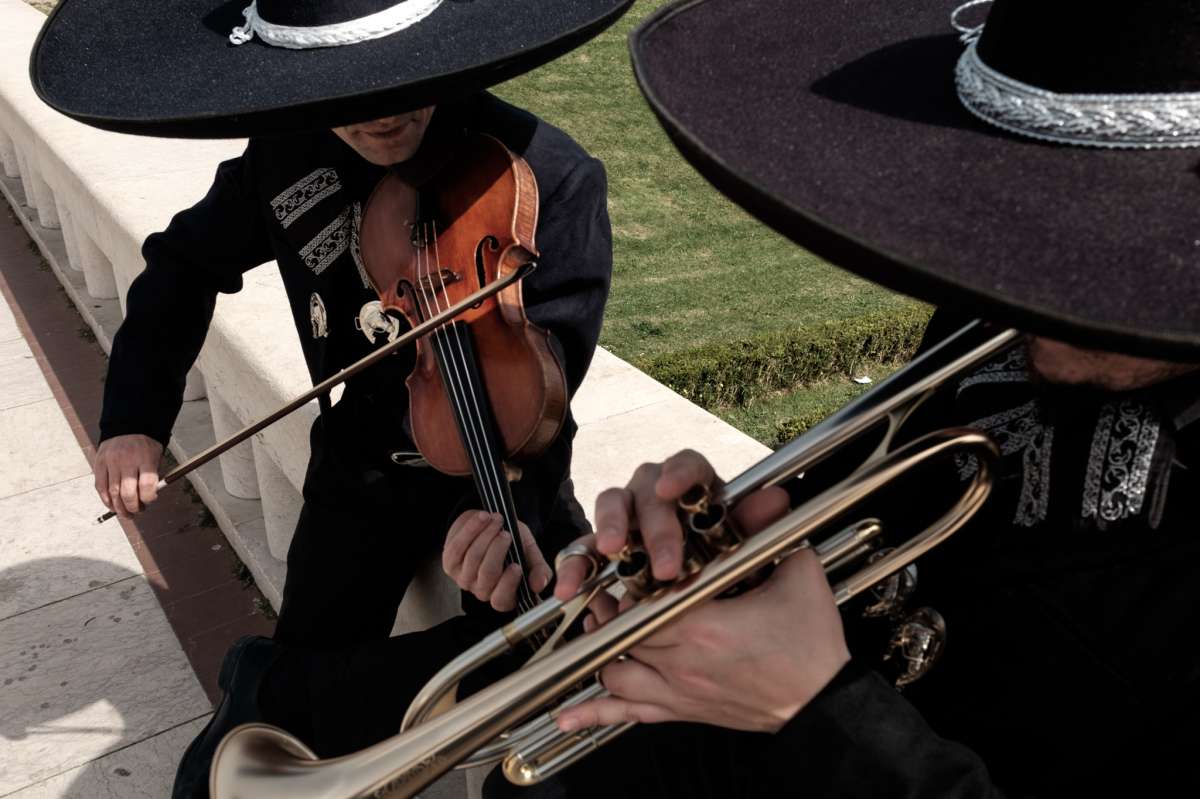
[[333, 95], [1038, 169]]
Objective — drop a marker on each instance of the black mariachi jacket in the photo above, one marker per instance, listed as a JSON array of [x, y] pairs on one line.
[[1072, 661], [297, 200]]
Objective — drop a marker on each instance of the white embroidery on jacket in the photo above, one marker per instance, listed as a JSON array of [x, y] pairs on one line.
[[1119, 463], [327, 245], [1020, 429], [356, 250], [296, 200], [1009, 368]]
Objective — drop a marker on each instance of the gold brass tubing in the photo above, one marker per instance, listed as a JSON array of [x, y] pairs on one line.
[[260, 762], [847, 544], [495, 644], [562, 751], [795, 527]]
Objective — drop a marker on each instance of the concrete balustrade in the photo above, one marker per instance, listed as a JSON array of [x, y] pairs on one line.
[[108, 192]]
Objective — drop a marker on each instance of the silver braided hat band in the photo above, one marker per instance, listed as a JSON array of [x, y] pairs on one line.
[[404, 14], [1139, 121]]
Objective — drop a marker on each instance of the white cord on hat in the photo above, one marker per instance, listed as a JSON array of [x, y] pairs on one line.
[[404, 14], [969, 32]]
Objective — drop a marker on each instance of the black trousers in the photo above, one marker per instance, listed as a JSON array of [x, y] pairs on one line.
[[366, 524]]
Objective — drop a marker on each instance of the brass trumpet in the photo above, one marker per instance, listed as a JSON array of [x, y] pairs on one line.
[[257, 761]]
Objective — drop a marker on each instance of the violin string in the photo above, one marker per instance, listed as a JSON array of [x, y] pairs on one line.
[[491, 496], [454, 392], [465, 389], [527, 596], [439, 343]]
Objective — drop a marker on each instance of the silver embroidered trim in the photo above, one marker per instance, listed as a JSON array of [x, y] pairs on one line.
[[1143, 121], [356, 250], [1020, 429], [327, 245], [1118, 468], [1009, 368], [296, 200]]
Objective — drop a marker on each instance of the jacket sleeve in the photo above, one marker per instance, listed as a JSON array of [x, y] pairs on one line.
[[859, 737], [203, 251], [567, 293]]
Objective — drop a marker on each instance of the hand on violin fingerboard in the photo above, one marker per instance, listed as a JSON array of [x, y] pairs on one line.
[[475, 558]]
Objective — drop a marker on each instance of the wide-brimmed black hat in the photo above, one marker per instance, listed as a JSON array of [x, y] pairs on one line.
[[220, 68], [1041, 168]]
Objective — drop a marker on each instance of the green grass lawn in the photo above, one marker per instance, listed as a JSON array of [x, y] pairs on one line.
[[690, 267], [698, 284]]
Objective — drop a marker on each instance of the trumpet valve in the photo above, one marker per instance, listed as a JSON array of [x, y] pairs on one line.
[[891, 595], [633, 570], [694, 500], [916, 645], [713, 527]]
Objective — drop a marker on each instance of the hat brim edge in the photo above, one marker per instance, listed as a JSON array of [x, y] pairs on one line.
[[351, 108], [887, 269]]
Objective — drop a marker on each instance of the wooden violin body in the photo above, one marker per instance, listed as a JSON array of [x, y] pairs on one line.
[[425, 249]]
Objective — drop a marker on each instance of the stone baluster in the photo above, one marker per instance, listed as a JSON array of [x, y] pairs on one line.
[[281, 502], [8, 157], [237, 464], [26, 170], [97, 270], [67, 221], [44, 201], [194, 389]]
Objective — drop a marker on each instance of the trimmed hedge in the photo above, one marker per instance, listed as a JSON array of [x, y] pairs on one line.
[[736, 372]]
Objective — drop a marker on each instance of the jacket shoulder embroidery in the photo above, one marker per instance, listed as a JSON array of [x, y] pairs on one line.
[[296, 200]]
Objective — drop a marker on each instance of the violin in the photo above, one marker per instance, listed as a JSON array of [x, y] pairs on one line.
[[487, 390]]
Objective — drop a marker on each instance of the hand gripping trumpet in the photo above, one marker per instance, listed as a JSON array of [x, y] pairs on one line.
[[513, 719]]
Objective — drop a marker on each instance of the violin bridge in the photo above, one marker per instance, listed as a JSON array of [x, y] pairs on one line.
[[418, 236], [432, 284]]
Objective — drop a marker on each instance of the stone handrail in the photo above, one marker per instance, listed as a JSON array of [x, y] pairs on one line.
[[89, 199]]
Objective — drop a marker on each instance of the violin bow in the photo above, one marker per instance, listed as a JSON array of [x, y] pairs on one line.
[[327, 385]]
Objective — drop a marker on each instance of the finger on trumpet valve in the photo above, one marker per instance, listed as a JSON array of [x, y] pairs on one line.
[[633, 570], [891, 595], [694, 500]]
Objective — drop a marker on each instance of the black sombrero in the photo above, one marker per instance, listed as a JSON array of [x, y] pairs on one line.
[[1042, 169], [220, 68]]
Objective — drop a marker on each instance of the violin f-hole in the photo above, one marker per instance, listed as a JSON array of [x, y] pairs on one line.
[[493, 244]]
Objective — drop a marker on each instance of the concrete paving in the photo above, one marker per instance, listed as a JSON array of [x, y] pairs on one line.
[[97, 697]]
